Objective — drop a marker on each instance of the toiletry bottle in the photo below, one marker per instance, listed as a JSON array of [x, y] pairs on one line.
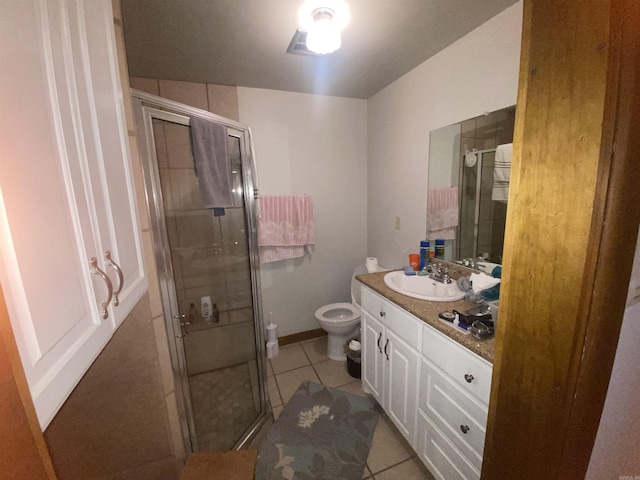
[[194, 314], [440, 248], [215, 314], [424, 253]]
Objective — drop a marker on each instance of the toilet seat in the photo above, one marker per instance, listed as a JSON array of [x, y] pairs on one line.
[[337, 313]]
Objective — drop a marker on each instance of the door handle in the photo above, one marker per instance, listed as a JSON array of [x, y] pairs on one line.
[[111, 263], [96, 271], [379, 338], [386, 345]]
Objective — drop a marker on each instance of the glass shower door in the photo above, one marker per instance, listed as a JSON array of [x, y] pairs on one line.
[[209, 295], [482, 220]]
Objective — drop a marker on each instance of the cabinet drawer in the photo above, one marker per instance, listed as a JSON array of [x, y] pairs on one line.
[[459, 416], [402, 323], [440, 456], [471, 372]]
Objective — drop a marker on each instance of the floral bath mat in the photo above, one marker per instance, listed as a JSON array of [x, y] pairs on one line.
[[322, 434]]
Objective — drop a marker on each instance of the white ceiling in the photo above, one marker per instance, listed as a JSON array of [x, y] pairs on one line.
[[244, 42]]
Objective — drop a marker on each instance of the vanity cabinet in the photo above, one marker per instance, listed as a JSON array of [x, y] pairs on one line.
[[391, 360], [453, 403], [71, 260], [435, 390]]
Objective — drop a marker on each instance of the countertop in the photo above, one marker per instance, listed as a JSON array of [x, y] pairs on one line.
[[428, 313]]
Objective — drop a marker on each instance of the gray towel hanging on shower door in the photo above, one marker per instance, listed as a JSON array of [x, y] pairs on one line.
[[211, 162]]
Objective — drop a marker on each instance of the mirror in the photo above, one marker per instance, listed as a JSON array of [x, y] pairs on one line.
[[466, 201]]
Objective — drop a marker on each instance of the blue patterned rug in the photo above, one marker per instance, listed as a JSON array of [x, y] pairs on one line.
[[322, 434]]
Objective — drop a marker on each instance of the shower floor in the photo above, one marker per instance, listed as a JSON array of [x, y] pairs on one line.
[[224, 405]]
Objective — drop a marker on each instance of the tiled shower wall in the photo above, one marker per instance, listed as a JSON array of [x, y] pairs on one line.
[[484, 132]]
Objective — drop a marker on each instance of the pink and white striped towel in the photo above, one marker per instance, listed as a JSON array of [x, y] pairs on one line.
[[286, 227], [442, 213]]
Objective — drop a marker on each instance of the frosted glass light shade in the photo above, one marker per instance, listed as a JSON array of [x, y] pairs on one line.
[[323, 37], [323, 20]]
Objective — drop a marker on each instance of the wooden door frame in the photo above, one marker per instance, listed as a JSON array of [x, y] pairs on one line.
[[24, 452], [568, 253]]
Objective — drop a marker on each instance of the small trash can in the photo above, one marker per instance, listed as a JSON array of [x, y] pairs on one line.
[[353, 352]]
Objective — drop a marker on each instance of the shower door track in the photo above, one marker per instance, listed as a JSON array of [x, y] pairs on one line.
[[147, 108]]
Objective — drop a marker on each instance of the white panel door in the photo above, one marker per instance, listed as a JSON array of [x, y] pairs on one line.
[[47, 223], [401, 385], [94, 46], [372, 357]]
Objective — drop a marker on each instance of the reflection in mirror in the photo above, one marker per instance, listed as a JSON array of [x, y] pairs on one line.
[[469, 164]]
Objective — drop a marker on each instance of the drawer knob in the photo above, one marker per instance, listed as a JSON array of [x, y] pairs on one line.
[[464, 428], [383, 314], [468, 377]]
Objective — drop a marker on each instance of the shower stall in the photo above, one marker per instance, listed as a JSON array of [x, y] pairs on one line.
[[482, 220], [207, 265]]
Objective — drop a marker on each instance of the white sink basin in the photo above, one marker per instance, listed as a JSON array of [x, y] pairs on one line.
[[423, 287]]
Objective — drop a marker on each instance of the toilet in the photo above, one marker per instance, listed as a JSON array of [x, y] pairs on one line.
[[342, 320]]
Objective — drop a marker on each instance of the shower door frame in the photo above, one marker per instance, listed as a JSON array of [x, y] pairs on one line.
[[147, 108]]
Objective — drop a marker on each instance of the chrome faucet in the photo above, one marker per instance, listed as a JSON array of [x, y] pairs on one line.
[[439, 273]]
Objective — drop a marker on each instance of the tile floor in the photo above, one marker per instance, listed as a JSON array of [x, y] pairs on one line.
[[390, 457]]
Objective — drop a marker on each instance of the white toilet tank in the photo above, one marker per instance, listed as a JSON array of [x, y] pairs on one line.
[[355, 284]]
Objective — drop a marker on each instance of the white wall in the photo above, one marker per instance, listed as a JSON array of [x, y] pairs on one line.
[[615, 452], [316, 145], [476, 74]]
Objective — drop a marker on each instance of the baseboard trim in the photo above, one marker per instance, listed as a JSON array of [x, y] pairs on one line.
[[301, 336]]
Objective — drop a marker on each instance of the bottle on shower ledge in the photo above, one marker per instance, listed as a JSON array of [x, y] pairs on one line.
[[215, 314], [194, 314]]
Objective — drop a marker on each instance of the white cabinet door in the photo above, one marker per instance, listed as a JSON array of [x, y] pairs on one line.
[[401, 385], [112, 178], [372, 357], [54, 216]]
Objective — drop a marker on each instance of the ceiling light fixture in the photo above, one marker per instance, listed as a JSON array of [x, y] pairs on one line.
[[323, 20]]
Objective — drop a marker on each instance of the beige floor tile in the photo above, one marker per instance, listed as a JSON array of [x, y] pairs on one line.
[[410, 470], [269, 369], [289, 358], [354, 387], [366, 473], [332, 373], [316, 349], [289, 382], [274, 395], [388, 447]]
